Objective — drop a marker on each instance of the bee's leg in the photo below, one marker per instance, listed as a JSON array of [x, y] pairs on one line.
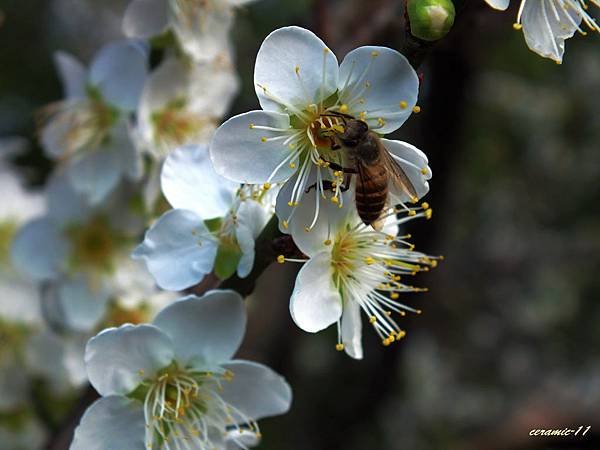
[[336, 166], [327, 186], [344, 187]]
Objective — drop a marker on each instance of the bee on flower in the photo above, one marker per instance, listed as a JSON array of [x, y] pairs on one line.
[[307, 100], [546, 24]]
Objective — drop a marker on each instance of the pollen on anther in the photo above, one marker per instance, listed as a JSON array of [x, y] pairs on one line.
[[394, 295], [281, 259], [327, 242], [344, 108], [292, 165], [403, 105], [263, 139], [297, 70], [339, 347], [517, 26], [251, 126], [335, 199], [424, 171], [372, 319], [374, 53], [285, 224], [417, 109], [412, 213], [267, 186], [425, 205]]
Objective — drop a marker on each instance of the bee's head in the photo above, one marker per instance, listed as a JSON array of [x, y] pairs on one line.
[[354, 131]]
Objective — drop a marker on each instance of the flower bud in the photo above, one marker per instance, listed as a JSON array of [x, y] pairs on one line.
[[430, 20]]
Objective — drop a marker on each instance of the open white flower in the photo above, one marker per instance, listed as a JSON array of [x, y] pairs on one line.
[[303, 93], [172, 384], [182, 102], [75, 251], [352, 267], [546, 24], [201, 26], [213, 226], [88, 131]]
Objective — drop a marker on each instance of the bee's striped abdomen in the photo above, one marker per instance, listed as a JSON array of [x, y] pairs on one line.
[[371, 192]]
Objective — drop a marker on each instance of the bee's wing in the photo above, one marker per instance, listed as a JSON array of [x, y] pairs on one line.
[[396, 174]]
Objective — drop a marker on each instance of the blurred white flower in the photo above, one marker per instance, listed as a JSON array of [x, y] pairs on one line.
[[172, 384], [182, 102], [80, 255], [546, 24], [352, 267], [213, 226], [303, 91], [88, 132], [201, 26]]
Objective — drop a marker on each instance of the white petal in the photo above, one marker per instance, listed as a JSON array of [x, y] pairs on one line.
[[331, 218], [119, 359], [544, 33], [145, 18], [96, 174], [111, 423], [501, 5], [65, 204], [119, 70], [204, 33], [168, 83], [256, 390], [246, 438], [315, 302], [414, 164], [189, 181], [296, 68], [39, 250], [207, 330], [245, 240], [380, 82], [77, 304], [352, 330], [73, 74], [178, 250], [239, 153]]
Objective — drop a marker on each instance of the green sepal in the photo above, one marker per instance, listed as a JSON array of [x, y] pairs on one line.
[[430, 20]]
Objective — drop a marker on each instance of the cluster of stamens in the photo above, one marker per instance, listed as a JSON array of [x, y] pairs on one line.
[[183, 409]]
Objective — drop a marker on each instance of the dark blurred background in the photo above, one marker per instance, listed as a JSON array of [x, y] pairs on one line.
[[510, 335]]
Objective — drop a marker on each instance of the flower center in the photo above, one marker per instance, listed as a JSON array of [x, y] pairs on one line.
[[184, 405], [94, 245], [175, 125]]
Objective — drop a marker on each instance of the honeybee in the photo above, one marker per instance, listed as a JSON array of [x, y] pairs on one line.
[[374, 167]]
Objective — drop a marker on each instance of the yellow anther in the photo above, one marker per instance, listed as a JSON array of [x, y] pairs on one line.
[[517, 26], [394, 295], [281, 259], [374, 53], [292, 146], [326, 50], [386, 342], [380, 121], [285, 224], [307, 229], [425, 205], [412, 213], [403, 104], [339, 347], [362, 115], [292, 165], [424, 171], [297, 70], [335, 199], [290, 203], [369, 260], [417, 109], [251, 126], [343, 108], [267, 186], [414, 199], [418, 311], [296, 203], [428, 213], [433, 263], [400, 334], [263, 139], [392, 338], [327, 242], [372, 319]]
